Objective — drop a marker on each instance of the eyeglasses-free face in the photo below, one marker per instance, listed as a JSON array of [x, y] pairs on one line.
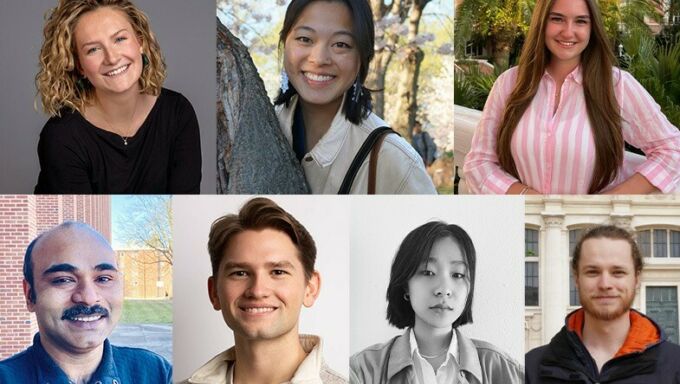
[[109, 52], [606, 278], [438, 291], [320, 54], [261, 286], [567, 31], [78, 291]]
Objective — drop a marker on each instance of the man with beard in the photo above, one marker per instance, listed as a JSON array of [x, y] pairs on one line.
[[73, 285], [606, 341]]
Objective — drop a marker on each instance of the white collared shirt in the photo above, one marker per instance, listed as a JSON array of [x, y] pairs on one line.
[[400, 169], [312, 370], [425, 373]]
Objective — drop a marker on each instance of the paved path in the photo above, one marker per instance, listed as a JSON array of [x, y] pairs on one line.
[[154, 337]]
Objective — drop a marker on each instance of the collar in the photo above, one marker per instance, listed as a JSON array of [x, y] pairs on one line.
[[215, 371], [400, 356], [576, 75], [328, 147], [452, 351], [643, 331], [49, 370]]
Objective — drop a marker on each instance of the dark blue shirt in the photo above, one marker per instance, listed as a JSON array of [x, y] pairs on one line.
[[119, 365]]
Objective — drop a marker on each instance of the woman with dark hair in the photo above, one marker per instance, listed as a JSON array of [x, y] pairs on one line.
[[430, 293], [559, 121], [113, 128], [325, 111]]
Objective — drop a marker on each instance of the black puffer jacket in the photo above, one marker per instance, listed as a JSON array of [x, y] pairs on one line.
[[566, 360]]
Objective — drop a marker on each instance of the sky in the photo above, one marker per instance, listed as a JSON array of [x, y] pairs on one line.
[[124, 210], [120, 210]]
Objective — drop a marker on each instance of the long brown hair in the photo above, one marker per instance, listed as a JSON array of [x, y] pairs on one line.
[[597, 61]]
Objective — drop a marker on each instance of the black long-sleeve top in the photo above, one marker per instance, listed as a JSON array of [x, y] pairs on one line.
[[164, 156]]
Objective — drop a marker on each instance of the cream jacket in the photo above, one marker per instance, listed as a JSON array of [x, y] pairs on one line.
[[312, 370], [392, 363], [400, 168]]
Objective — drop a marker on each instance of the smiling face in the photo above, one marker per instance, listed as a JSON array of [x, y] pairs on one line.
[[260, 285], [567, 31], [78, 290], [606, 278], [320, 54], [439, 289], [108, 50]]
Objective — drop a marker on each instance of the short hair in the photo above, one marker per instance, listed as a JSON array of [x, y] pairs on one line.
[[608, 232], [364, 38], [414, 250], [257, 214], [28, 255], [58, 76]]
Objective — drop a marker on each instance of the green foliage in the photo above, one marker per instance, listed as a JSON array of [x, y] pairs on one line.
[[500, 22], [472, 87], [657, 68]]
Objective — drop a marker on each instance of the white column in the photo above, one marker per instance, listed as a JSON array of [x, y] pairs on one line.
[[554, 286]]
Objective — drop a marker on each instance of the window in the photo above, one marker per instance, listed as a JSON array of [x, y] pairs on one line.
[[531, 242], [574, 237], [531, 267], [531, 283], [659, 243]]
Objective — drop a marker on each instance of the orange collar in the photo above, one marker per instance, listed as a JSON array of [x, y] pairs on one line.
[[641, 335]]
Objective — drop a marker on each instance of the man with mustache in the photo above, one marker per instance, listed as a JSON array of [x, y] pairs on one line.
[[263, 273], [73, 285], [606, 341]]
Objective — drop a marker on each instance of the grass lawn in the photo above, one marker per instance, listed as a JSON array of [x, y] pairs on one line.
[[147, 311]]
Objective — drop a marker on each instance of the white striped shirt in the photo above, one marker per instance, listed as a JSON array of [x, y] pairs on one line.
[[555, 153]]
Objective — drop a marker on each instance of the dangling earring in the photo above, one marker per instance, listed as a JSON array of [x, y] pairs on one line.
[[145, 60], [284, 81], [356, 92], [406, 296]]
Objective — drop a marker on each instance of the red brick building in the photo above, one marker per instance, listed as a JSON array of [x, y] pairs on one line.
[[147, 274], [22, 218]]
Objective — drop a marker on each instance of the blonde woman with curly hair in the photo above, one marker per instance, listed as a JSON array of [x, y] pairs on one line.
[[113, 128]]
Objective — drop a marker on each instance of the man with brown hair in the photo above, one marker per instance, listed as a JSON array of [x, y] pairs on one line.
[[606, 341], [262, 274]]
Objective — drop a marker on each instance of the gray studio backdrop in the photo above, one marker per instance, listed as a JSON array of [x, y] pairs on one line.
[[199, 332], [495, 225], [186, 33]]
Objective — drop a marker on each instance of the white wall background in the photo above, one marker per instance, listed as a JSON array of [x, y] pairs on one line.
[[200, 332], [496, 226]]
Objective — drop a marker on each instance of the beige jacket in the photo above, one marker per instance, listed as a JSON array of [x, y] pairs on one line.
[[312, 370], [400, 168]]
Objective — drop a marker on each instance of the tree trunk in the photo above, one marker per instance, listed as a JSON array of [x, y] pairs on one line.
[[376, 79], [253, 156], [407, 106], [383, 56]]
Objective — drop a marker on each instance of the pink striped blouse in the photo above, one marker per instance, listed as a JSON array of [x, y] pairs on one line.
[[554, 154]]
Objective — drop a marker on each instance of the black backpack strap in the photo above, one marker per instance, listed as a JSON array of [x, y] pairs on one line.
[[365, 149]]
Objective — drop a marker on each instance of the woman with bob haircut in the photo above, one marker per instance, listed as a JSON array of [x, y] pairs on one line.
[[112, 127], [432, 283], [325, 111], [559, 121]]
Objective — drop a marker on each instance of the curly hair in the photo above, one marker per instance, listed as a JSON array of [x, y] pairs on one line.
[[57, 78]]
